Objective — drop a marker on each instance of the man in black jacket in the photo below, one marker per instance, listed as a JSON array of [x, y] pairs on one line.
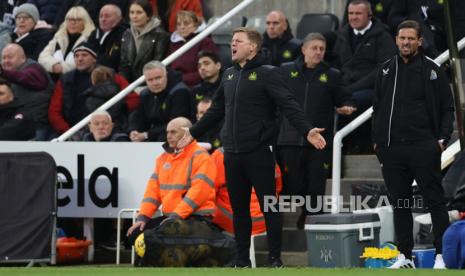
[[165, 98], [14, 123], [209, 67], [248, 99], [361, 46], [108, 36], [282, 46], [318, 88], [412, 123]]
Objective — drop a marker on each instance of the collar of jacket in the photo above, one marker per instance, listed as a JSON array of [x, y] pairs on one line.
[[179, 152], [152, 24], [258, 60], [15, 103], [284, 38], [375, 29]]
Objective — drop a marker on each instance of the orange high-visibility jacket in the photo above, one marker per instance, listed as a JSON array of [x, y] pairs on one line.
[[183, 183], [223, 215]]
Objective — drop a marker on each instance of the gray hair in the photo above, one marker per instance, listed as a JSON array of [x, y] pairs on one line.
[[313, 36], [100, 113], [154, 64]]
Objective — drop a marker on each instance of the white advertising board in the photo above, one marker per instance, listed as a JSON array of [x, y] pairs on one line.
[[96, 179]]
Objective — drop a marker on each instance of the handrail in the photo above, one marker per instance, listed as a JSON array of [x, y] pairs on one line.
[[365, 116], [166, 62]]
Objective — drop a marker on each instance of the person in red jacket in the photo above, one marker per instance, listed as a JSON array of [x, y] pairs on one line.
[[67, 106], [187, 27], [182, 182], [223, 213]]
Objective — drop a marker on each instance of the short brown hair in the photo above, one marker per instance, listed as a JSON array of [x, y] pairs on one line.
[[252, 34], [101, 74], [362, 2]]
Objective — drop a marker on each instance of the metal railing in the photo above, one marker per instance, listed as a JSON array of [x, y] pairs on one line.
[[166, 62], [365, 116]]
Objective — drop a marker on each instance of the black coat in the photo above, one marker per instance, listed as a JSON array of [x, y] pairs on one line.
[[34, 42], [282, 49], [317, 96], [156, 110], [113, 137], [438, 97], [109, 50], [248, 99], [48, 9], [375, 48], [15, 125]]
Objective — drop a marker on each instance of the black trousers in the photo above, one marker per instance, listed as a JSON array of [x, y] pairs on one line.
[[304, 171], [244, 171], [402, 163]]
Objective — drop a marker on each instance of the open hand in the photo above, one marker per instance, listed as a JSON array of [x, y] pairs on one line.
[[316, 139]]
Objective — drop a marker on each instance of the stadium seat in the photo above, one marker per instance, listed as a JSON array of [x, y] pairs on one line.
[[223, 33], [258, 23], [316, 22], [224, 53]]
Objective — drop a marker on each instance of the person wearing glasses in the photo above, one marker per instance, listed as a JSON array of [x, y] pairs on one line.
[[32, 38], [57, 57]]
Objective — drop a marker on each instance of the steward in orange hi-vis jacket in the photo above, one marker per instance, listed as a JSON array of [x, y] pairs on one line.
[[182, 182], [223, 216]]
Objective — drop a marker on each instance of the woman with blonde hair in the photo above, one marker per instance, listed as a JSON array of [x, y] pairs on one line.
[[57, 57]]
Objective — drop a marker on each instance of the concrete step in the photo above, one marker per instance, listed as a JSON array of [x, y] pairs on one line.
[[361, 166], [290, 259]]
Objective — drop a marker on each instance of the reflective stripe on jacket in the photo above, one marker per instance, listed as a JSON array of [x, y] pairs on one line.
[[223, 216], [183, 183]]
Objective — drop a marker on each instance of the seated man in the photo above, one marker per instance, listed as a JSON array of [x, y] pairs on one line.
[[182, 197], [14, 125], [101, 129], [165, 98], [209, 67], [213, 135], [223, 213], [30, 83]]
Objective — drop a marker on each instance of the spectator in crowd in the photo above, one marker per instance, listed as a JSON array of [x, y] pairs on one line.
[[212, 136], [165, 98], [68, 103], [108, 36], [209, 67], [5, 35], [32, 38], [58, 57], [144, 41], [223, 216], [361, 46], [381, 10], [103, 89], [101, 129], [6, 11], [48, 9], [318, 89], [167, 10], [31, 84], [187, 27], [14, 123], [194, 200], [248, 99], [278, 39], [413, 115]]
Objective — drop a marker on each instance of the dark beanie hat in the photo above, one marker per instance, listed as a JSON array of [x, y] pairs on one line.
[[146, 6], [91, 48]]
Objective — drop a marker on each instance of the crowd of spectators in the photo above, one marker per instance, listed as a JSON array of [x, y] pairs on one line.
[[81, 53]]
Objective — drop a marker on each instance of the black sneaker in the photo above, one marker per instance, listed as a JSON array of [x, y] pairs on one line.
[[276, 263], [239, 264]]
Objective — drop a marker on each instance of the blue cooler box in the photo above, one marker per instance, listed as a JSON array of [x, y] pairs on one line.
[[338, 240], [424, 258]]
